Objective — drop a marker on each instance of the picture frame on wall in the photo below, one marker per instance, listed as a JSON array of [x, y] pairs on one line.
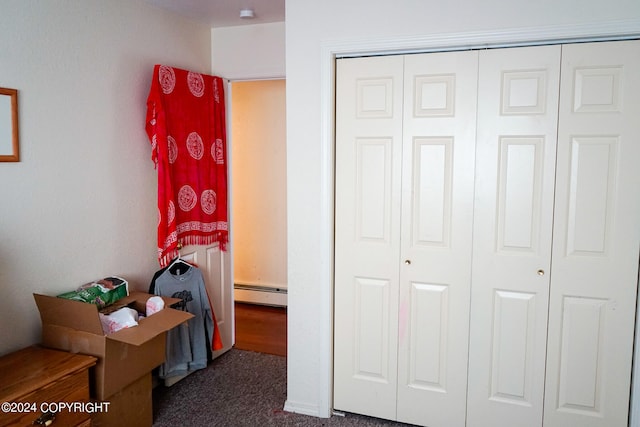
[[9, 141]]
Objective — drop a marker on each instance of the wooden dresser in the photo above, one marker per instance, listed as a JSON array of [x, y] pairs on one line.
[[36, 380]]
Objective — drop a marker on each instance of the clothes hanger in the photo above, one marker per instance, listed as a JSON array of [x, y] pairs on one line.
[[174, 266]]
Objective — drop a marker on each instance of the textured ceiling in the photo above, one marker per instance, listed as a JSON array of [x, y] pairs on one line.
[[225, 13]]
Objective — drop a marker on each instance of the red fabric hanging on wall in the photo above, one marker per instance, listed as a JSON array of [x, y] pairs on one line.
[[187, 130]]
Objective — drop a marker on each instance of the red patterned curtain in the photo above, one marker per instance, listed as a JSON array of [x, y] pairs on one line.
[[187, 130]]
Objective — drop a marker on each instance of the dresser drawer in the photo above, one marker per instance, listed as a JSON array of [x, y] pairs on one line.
[[71, 388]]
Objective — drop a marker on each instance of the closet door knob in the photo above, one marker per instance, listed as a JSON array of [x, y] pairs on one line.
[[540, 272], [407, 261]]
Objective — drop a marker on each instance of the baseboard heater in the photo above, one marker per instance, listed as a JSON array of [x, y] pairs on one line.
[[259, 294]]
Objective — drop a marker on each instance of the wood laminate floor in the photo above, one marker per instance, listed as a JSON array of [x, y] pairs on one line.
[[261, 328]]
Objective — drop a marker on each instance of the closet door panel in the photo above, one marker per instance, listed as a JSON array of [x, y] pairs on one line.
[[367, 237], [437, 208], [515, 173], [519, 191], [591, 188], [596, 237], [514, 320], [431, 189]]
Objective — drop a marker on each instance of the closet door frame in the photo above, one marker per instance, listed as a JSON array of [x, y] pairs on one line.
[[329, 50]]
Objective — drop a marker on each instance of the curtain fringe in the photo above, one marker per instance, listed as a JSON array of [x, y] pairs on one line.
[[173, 252]]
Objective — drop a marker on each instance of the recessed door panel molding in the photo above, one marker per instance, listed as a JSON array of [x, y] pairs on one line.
[[524, 92], [520, 183], [371, 323], [513, 213], [434, 95], [597, 89], [375, 98], [591, 189], [595, 246], [428, 333], [373, 191], [431, 220], [580, 385], [513, 334]]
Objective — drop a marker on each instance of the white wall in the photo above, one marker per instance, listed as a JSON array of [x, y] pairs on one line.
[[315, 31], [246, 53], [249, 52], [81, 203]]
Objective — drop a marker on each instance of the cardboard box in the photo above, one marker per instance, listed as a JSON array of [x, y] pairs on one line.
[[123, 356], [131, 407]]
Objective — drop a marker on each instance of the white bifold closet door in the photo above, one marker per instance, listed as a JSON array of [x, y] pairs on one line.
[[367, 237], [487, 233], [596, 237], [404, 174], [555, 275], [513, 223], [436, 226]]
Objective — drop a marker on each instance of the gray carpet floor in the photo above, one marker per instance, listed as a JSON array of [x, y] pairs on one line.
[[240, 388]]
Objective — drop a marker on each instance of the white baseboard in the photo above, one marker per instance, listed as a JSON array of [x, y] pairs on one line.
[[256, 294], [302, 408]]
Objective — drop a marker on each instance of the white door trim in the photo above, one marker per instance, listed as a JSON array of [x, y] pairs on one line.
[[329, 50]]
